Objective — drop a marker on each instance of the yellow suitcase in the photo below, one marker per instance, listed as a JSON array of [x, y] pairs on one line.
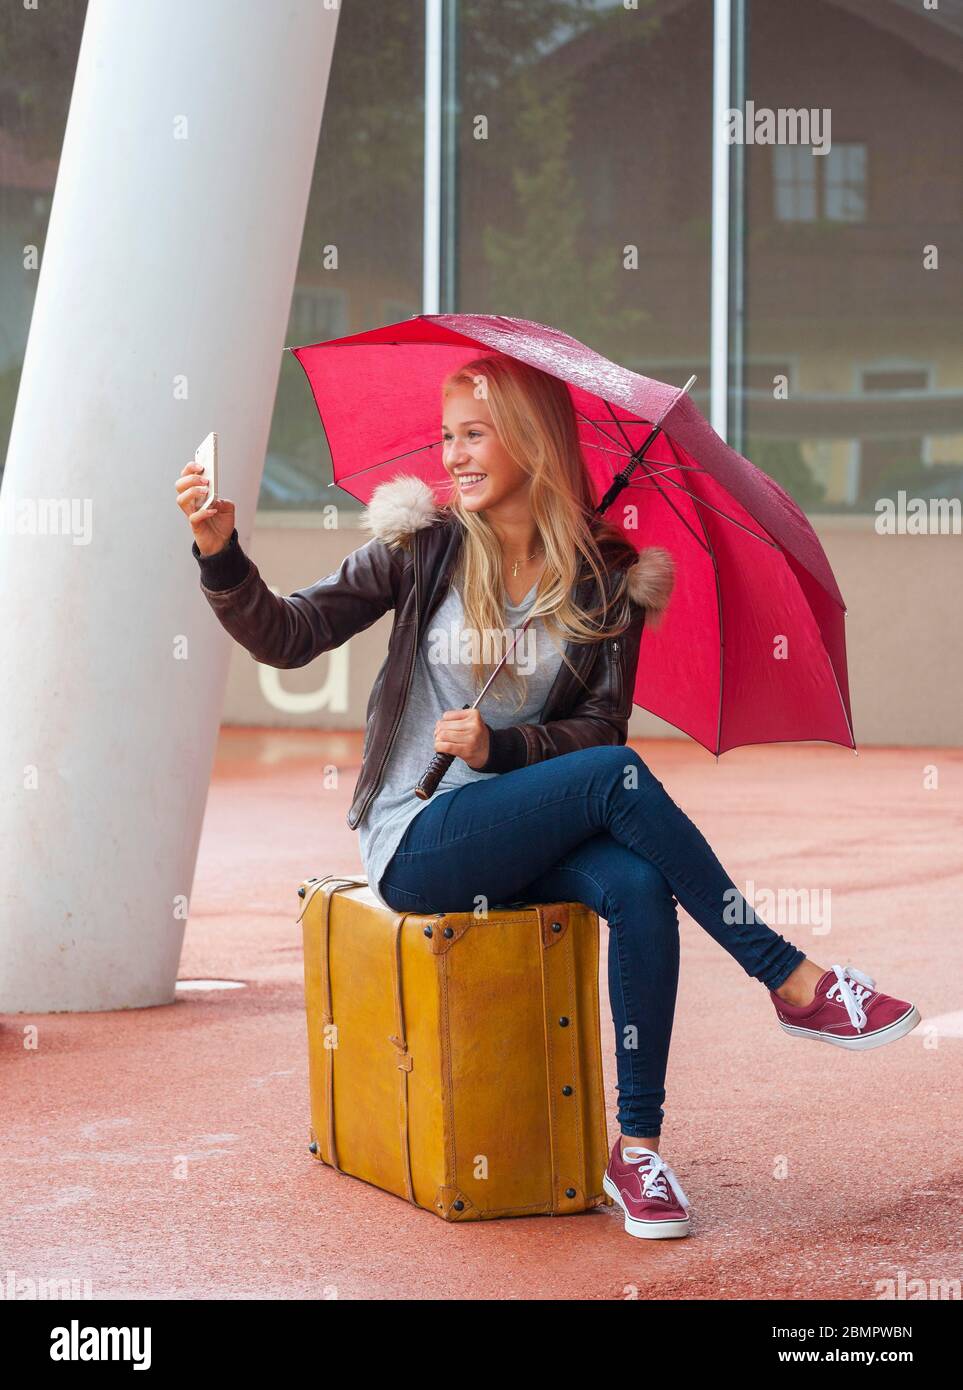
[[455, 1060]]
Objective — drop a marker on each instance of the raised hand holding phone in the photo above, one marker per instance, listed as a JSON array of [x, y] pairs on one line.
[[206, 455], [211, 517]]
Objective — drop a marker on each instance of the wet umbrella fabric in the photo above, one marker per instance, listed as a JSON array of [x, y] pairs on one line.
[[752, 648]]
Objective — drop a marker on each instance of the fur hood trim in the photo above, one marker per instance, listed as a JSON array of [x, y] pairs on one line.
[[407, 503], [399, 507]]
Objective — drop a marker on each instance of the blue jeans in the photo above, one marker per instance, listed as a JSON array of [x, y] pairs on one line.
[[592, 826]]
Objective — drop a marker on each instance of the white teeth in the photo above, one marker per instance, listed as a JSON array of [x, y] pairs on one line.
[[471, 478]]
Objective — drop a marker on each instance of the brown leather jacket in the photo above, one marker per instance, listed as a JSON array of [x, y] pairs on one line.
[[408, 565]]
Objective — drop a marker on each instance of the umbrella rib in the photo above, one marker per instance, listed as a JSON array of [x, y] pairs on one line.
[[595, 425], [694, 497], [627, 450], [624, 454], [671, 504], [668, 500], [842, 702], [382, 463], [655, 470], [702, 501]]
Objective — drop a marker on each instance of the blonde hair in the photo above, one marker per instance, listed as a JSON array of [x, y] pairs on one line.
[[535, 421]]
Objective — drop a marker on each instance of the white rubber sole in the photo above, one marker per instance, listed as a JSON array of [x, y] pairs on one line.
[[647, 1230], [897, 1029]]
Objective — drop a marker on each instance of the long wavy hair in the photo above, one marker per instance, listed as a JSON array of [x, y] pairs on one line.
[[536, 424]]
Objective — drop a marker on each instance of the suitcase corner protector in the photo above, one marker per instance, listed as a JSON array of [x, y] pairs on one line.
[[452, 1205]]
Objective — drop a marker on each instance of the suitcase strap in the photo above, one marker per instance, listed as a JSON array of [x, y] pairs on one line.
[[327, 886], [404, 1059], [562, 1026]]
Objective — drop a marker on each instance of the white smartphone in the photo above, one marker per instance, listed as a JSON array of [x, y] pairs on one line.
[[206, 456]]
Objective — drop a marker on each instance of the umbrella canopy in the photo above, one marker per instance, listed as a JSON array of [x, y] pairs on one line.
[[752, 648]]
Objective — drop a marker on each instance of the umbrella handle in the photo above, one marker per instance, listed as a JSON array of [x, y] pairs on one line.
[[434, 772]]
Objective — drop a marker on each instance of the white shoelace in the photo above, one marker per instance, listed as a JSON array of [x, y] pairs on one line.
[[654, 1179], [850, 994]]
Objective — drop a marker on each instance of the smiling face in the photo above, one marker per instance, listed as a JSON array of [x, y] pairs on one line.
[[472, 451]]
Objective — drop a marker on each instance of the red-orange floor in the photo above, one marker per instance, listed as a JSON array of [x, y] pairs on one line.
[[162, 1152]]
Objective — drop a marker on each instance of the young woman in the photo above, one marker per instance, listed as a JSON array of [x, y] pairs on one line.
[[533, 807]]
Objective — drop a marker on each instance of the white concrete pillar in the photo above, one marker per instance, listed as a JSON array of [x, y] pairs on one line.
[[162, 305]]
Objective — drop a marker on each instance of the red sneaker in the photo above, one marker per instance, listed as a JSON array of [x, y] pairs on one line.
[[848, 1012], [640, 1183]]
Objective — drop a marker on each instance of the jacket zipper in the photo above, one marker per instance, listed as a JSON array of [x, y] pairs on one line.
[[404, 700], [617, 672]]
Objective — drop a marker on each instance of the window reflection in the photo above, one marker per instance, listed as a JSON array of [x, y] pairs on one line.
[[853, 380], [361, 253], [38, 58]]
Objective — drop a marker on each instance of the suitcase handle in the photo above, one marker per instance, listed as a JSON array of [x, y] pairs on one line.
[[310, 886]]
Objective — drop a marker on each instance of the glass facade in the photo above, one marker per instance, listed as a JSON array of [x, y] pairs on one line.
[[38, 57], [576, 188], [361, 253], [853, 272], [584, 176]]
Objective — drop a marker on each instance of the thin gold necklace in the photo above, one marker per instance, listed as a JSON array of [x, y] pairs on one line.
[[523, 560]]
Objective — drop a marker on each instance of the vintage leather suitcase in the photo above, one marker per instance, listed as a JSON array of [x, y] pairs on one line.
[[455, 1060]]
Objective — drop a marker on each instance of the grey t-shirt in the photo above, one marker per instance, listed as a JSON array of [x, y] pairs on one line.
[[438, 683]]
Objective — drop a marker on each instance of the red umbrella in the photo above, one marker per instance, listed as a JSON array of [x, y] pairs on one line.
[[752, 648]]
